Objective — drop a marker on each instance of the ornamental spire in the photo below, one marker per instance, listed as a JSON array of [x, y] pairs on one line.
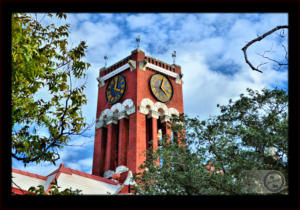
[[174, 57], [138, 40], [105, 58]]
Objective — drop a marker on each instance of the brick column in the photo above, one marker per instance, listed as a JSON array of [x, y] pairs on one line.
[[108, 156], [97, 152], [137, 141], [131, 152], [123, 141], [140, 140]]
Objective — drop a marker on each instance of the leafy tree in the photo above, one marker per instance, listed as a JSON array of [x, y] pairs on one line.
[[212, 156], [43, 65], [54, 190]]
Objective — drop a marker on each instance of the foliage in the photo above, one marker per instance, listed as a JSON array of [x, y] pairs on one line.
[[42, 65], [54, 190], [237, 140]]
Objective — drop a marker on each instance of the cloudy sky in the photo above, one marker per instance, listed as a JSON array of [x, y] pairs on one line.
[[208, 48]]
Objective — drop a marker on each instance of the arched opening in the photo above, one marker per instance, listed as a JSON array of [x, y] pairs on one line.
[[116, 145], [149, 137], [161, 112]]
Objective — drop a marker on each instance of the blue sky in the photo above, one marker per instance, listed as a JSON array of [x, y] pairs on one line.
[[208, 47]]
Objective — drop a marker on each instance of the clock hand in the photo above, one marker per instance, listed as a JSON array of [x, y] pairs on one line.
[[161, 83], [116, 82], [161, 86]]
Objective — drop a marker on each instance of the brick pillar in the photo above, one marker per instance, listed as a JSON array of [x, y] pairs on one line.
[[109, 147], [97, 152], [132, 143], [137, 141], [141, 140], [123, 141]]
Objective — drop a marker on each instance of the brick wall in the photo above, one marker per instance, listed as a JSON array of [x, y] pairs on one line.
[[137, 88]]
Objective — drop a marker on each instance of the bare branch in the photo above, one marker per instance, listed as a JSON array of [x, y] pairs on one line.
[[244, 49], [286, 53], [271, 59], [261, 64]]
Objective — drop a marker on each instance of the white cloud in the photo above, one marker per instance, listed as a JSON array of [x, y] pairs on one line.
[[141, 21], [95, 34], [43, 169], [81, 165]]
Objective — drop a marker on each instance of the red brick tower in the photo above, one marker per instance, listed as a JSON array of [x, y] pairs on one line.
[[136, 97]]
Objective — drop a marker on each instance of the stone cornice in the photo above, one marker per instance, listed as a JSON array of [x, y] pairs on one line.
[[162, 70], [116, 112], [156, 110]]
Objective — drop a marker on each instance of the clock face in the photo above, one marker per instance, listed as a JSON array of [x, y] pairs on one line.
[[115, 89], [161, 87]]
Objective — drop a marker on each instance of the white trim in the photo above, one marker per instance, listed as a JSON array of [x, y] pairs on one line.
[[173, 111], [150, 65], [116, 71], [164, 107], [101, 82], [152, 111], [132, 65], [162, 70], [121, 169], [124, 110]]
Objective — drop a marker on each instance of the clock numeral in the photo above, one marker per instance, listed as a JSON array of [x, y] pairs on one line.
[[153, 82]]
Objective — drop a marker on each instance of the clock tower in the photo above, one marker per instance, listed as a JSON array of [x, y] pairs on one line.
[[137, 96]]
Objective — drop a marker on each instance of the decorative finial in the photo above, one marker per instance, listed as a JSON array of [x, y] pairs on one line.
[[174, 57], [138, 40], [105, 58]]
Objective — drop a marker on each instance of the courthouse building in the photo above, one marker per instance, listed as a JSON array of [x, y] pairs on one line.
[[137, 96]]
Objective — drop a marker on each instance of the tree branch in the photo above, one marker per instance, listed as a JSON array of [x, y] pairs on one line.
[[17, 186], [244, 49]]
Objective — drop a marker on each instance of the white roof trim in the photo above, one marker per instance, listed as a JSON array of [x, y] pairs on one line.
[[162, 70], [116, 71], [150, 65]]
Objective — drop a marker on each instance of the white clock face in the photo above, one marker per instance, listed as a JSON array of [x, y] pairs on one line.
[[161, 87]]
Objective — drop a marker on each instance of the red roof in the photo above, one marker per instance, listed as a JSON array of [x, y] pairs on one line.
[[29, 174], [66, 170], [62, 169], [17, 191]]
